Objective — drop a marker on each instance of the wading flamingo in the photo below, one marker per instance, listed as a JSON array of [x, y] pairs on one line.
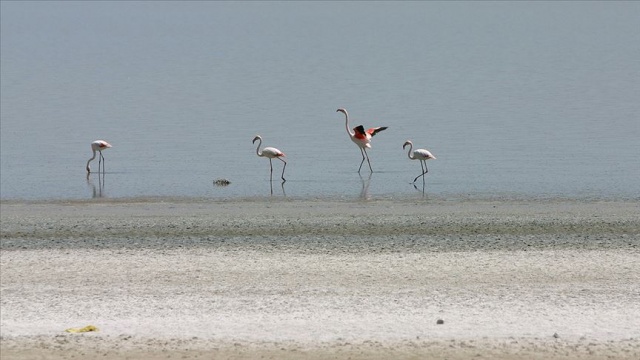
[[98, 146], [270, 153], [419, 154], [361, 138]]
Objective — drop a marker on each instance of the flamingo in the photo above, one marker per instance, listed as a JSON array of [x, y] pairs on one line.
[[270, 153], [98, 146], [419, 154], [361, 138]]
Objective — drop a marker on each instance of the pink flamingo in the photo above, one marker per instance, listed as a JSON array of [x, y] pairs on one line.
[[270, 153], [419, 154], [361, 138], [98, 146]]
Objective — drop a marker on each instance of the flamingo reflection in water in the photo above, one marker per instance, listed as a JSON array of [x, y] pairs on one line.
[[97, 192], [364, 192]]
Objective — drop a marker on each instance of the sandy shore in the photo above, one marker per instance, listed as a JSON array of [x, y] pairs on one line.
[[319, 279]]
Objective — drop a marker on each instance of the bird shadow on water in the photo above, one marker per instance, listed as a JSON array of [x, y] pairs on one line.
[[420, 189], [97, 191], [281, 186], [364, 192]]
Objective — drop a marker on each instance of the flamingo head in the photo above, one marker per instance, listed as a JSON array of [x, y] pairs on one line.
[[407, 143], [258, 137], [342, 111]]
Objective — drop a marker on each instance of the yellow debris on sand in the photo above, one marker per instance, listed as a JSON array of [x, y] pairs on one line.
[[87, 328]]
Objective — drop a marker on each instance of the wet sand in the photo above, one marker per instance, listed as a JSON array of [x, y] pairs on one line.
[[261, 278]]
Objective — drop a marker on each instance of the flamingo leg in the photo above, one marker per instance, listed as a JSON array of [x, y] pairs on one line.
[[421, 167], [271, 167], [368, 162], [362, 162], [100, 161], [424, 170], [284, 167], [101, 182]]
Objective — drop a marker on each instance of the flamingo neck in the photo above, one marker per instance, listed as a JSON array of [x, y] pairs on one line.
[[88, 161], [346, 124], [258, 148], [410, 153]]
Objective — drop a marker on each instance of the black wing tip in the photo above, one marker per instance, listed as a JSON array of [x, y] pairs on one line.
[[377, 130]]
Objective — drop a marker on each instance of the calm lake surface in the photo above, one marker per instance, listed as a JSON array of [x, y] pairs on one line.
[[535, 99]]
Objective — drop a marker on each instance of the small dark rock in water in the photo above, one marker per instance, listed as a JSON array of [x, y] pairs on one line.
[[440, 322], [221, 182], [555, 335]]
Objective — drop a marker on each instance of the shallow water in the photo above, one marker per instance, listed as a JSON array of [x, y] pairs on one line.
[[514, 99]]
